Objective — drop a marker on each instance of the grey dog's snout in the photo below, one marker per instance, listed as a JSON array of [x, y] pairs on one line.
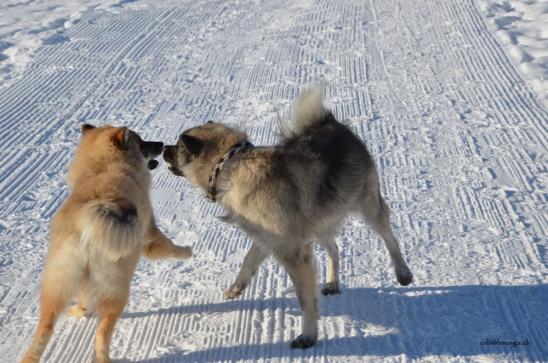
[[169, 152], [170, 155]]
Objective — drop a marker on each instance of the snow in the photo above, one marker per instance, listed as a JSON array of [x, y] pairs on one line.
[[522, 27], [454, 120], [25, 26]]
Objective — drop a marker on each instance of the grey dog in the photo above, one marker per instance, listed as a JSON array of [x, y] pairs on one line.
[[285, 195]]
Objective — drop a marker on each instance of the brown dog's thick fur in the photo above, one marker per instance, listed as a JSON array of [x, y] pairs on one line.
[[99, 233]]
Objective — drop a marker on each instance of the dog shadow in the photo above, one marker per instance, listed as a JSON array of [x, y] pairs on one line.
[[418, 322]]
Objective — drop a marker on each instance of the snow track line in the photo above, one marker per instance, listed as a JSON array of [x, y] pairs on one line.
[[459, 138]]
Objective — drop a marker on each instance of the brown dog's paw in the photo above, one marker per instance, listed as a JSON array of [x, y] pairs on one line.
[[104, 358], [183, 252], [29, 359], [77, 311]]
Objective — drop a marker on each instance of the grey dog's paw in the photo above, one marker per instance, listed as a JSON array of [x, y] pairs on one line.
[[232, 293], [331, 288], [183, 252], [405, 280], [303, 342], [404, 277]]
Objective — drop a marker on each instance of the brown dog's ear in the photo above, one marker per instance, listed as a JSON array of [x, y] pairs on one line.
[[120, 138], [193, 145], [86, 127]]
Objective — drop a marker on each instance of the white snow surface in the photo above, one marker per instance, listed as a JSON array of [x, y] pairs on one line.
[[458, 133], [26, 26], [522, 27]]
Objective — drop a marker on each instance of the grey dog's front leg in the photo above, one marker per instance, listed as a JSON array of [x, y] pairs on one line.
[[255, 256]]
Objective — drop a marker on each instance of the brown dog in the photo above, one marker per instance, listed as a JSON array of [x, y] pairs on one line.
[[99, 233]]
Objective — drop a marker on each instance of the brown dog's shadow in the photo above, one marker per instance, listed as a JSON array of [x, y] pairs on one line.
[[418, 322]]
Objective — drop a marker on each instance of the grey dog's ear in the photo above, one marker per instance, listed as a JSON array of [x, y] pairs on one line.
[[193, 145], [86, 127]]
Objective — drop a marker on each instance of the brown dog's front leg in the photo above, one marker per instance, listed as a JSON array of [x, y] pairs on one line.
[[158, 246]]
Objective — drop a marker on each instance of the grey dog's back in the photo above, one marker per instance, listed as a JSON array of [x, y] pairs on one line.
[[327, 164], [332, 158]]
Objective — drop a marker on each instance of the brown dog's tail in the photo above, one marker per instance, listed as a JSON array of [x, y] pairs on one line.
[[112, 227]]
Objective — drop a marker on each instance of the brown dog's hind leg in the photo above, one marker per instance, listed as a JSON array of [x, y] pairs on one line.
[[158, 246], [109, 311], [52, 304], [62, 274]]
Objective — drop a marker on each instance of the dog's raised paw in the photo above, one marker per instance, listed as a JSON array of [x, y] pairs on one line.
[[183, 252], [331, 288], [77, 311], [232, 293], [303, 342]]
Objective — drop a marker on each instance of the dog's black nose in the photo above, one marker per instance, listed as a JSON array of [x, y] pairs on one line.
[[152, 164]]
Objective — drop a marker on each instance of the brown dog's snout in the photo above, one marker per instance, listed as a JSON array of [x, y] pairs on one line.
[[154, 147], [151, 149]]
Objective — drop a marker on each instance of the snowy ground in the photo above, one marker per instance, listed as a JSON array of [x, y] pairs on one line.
[[522, 27], [26, 26], [453, 121]]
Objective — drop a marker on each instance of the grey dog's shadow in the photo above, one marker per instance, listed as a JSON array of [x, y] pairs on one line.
[[452, 321]]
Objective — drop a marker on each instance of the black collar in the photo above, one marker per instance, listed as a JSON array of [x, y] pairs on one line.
[[211, 192]]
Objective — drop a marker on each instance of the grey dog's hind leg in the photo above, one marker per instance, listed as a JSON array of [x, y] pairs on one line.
[[255, 256], [377, 215], [302, 271], [327, 240]]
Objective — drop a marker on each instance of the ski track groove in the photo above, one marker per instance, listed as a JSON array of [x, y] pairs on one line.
[[459, 138]]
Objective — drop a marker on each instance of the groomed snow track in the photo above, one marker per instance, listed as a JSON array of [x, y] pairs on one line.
[[459, 138]]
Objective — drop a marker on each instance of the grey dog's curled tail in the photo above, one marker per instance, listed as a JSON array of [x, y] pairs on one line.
[[308, 110]]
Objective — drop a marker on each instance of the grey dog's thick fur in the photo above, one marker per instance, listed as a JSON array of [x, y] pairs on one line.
[[285, 195]]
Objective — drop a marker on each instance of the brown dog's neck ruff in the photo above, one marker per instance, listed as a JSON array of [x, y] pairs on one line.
[[211, 190]]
